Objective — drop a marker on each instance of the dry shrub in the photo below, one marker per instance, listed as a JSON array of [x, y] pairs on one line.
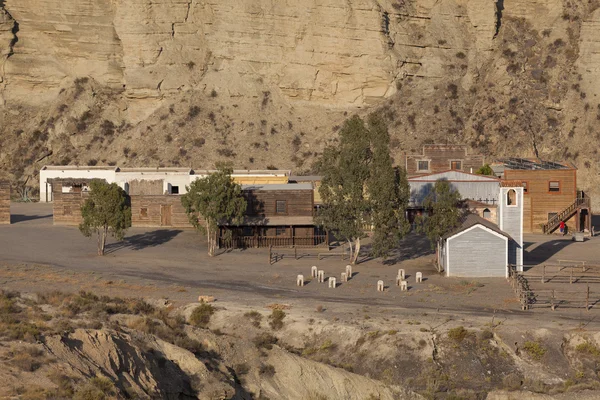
[[276, 319], [265, 341], [26, 358], [201, 315], [98, 388], [255, 317]]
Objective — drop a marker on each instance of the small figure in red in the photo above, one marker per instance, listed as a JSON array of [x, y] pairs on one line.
[[562, 227]]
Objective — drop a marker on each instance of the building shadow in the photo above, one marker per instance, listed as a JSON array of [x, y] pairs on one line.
[[16, 218], [143, 240], [545, 251]]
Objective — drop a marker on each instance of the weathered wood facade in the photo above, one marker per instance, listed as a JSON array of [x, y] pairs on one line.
[[68, 195], [4, 202], [158, 210], [442, 157], [277, 215], [547, 192]]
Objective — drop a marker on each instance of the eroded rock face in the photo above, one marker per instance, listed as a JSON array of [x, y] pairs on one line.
[[334, 52]]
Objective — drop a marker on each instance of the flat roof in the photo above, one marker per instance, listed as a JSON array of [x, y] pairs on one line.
[[266, 172], [77, 168], [191, 171], [188, 171], [307, 178], [532, 164], [279, 186]]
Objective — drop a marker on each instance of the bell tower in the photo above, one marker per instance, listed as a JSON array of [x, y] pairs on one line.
[[510, 219]]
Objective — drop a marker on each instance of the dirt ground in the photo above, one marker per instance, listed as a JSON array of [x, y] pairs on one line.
[[173, 264]]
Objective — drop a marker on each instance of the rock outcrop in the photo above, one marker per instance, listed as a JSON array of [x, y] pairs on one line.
[[507, 77]]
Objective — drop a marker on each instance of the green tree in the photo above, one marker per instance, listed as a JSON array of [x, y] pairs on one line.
[[485, 170], [105, 210], [360, 185], [345, 171], [216, 199], [389, 192], [443, 206]]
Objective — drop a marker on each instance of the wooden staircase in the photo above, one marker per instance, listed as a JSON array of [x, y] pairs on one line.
[[554, 222]]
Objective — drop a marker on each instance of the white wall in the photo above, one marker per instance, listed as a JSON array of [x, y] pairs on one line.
[[45, 174], [169, 178]]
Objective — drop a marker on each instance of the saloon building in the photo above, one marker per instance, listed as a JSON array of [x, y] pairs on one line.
[[550, 194]]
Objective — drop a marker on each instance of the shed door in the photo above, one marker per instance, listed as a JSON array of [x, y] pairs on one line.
[[165, 215]]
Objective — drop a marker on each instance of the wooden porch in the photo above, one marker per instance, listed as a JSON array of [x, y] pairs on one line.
[[276, 237]]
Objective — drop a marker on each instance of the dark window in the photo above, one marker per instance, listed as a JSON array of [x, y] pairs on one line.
[[280, 231], [554, 186], [249, 207], [456, 165], [174, 189], [511, 198], [281, 207], [248, 231], [487, 214], [525, 186], [143, 212], [423, 165]]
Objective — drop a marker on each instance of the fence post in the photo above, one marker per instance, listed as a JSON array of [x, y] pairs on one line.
[[587, 299], [544, 274], [571, 279], [271, 254]]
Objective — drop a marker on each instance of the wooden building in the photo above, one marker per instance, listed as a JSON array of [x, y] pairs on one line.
[[477, 248], [4, 202], [68, 195], [550, 194], [442, 157], [277, 215]]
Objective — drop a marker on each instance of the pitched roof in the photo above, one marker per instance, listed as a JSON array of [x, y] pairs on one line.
[[470, 220], [453, 175]]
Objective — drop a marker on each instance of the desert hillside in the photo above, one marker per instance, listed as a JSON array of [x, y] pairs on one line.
[[267, 84]]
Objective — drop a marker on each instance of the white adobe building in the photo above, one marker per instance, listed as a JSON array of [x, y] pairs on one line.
[[174, 180]]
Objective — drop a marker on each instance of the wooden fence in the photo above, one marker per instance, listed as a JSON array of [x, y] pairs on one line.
[[553, 298], [244, 242], [300, 252]]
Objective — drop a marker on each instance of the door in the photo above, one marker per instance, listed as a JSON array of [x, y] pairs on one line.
[[165, 215]]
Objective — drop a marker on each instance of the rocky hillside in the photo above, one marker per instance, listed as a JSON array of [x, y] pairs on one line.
[[57, 345], [188, 82]]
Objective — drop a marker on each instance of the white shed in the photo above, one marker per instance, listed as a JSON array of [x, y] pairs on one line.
[[477, 248]]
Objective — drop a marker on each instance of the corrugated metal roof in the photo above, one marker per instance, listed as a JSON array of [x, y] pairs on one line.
[[288, 186], [453, 175], [532, 164], [272, 221], [470, 220]]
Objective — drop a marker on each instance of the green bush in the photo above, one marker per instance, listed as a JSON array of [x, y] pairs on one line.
[[588, 348], [276, 319], [534, 349], [201, 315]]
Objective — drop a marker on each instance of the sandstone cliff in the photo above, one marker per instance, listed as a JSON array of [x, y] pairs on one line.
[[260, 83]]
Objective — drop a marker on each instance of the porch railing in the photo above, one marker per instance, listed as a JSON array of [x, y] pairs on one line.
[[275, 241]]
